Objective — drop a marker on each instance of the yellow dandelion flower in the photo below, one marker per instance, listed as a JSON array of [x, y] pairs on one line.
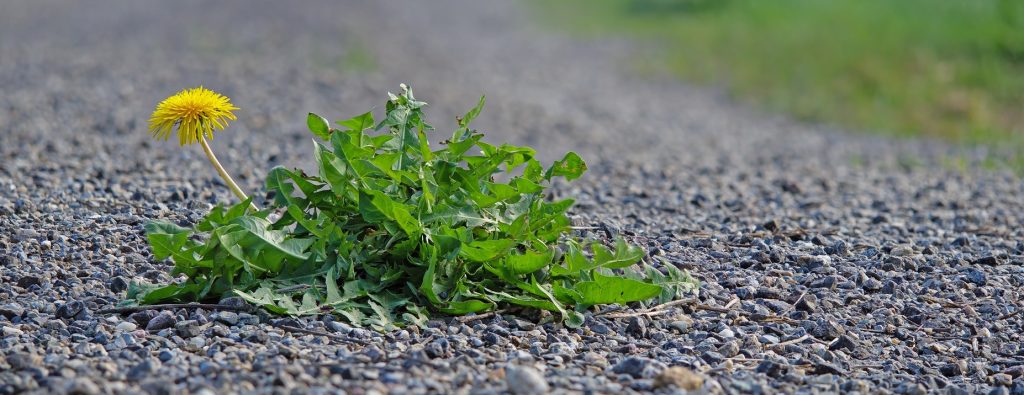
[[195, 112]]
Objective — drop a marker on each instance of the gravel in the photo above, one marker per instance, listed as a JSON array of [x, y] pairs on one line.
[[830, 262]]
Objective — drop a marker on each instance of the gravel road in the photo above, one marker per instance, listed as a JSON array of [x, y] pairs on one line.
[[830, 262]]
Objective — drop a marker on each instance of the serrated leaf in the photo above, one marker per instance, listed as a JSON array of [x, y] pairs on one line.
[[169, 240], [609, 289], [625, 255]]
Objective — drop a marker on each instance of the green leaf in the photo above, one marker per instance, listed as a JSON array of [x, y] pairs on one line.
[[533, 171], [264, 297], [526, 186], [486, 250], [452, 217], [279, 181], [528, 262], [472, 113], [319, 126], [466, 306], [625, 255], [571, 167], [376, 206], [169, 240], [358, 123], [332, 169], [608, 289]]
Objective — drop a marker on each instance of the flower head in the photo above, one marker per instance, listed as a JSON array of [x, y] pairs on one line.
[[196, 112]]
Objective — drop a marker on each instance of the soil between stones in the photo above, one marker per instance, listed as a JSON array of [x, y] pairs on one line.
[[830, 262]]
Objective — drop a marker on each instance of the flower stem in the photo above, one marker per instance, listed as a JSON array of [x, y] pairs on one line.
[[224, 174]]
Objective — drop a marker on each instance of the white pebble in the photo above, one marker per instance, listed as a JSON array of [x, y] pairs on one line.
[[12, 331], [125, 327]]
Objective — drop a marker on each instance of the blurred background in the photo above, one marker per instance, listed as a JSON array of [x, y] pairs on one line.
[[952, 69], [560, 75]]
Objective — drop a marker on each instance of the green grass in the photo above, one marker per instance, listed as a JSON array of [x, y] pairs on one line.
[[947, 68]]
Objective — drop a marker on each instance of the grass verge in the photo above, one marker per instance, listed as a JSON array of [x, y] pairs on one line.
[[952, 69]]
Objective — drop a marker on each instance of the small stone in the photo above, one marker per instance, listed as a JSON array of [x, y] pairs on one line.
[[812, 262], [524, 380], [360, 333], [1002, 379], [81, 386], [745, 293], [595, 359], [637, 327], [12, 331], [493, 339], [808, 303], [843, 341], [751, 343], [730, 349], [600, 329], [11, 310], [234, 302], [909, 388], [975, 276], [682, 325], [373, 353], [118, 284], [712, 357], [142, 317], [989, 260], [951, 369], [902, 250], [248, 319], [339, 327], [125, 326], [999, 391], [826, 330], [777, 306], [771, 368], [872, 285], [207, 368], [680, 377], [163, 320], [101, 338], [166, 355], [825, 282], [638, 367], [439, 348], [28, 281], [70, 309], [229, 318], [22, 361], [188, 328], [123, 340], [142, 371]]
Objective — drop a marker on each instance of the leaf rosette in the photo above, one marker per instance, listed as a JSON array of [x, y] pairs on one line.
[[392, 230]]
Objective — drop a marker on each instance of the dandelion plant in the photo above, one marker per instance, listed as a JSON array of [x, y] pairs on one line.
[[391, 229]]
